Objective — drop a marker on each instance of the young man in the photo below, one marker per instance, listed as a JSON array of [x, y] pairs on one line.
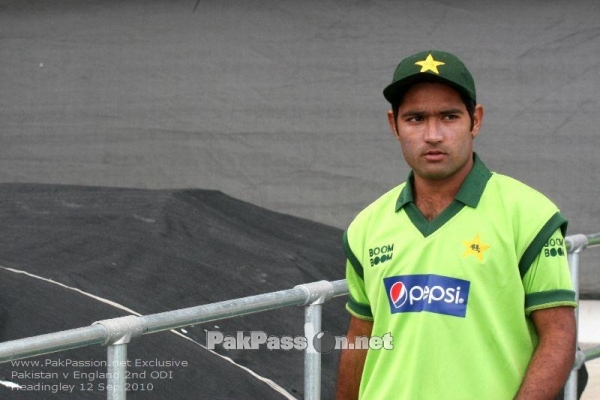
[[465, 268]]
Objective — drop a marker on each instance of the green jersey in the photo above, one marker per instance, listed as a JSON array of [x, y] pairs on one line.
[[455, 293]]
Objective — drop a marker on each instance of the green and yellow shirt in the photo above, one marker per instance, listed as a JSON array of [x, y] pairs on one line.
[[455, 293]]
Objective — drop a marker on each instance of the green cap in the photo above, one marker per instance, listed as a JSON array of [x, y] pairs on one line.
[[432, 65]]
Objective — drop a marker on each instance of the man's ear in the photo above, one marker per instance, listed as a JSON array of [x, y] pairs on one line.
[[392, 122], [477, 120]]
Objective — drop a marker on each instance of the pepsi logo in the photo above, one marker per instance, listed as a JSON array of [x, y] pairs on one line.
[[398, 294], [427, 293]]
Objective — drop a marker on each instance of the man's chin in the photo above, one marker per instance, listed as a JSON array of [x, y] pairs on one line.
[[435, 174]]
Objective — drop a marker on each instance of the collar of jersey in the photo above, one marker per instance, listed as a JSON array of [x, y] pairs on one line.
[[469, 194]]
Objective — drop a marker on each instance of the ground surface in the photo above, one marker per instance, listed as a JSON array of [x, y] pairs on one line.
[[154, 251]]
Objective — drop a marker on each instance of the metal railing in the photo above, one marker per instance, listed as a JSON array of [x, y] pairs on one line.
[[575, 245], [117, 332]]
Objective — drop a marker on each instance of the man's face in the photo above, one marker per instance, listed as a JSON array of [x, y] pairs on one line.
[[434, 130]]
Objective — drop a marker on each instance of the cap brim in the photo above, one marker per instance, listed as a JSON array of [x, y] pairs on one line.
[[396, 90]]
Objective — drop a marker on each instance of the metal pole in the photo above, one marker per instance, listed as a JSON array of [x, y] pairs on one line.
[[120, 332], [52, 342], [574, 264], [221, 310], [592, 353], [317, 293], [571, 385], [312, 357], [117, 369], [575, 244], [104, 333]]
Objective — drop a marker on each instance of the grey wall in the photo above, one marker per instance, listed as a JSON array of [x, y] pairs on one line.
[[279, 102]]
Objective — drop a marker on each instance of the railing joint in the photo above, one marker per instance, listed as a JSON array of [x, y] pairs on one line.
[[579, 359], [317, 292], [576, 243], [121, 330]]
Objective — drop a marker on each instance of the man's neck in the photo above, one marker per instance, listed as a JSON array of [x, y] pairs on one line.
[[432, 196]]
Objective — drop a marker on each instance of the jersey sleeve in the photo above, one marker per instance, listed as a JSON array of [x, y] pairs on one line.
[[547, 282], [358, 301]]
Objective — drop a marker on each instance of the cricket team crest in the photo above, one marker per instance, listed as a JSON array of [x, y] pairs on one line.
[[475, 247]]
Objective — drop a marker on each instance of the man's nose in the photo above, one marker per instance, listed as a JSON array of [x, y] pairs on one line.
[[433, 131]]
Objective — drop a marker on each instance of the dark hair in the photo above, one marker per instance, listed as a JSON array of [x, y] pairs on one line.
[[468, 102]]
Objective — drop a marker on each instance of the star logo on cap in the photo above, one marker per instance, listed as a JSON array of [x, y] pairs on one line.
[[429, 64]]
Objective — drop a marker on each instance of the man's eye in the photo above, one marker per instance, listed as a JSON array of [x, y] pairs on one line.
[[450, 116]]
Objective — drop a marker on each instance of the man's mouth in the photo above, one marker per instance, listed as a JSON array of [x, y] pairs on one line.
[[434, 155]]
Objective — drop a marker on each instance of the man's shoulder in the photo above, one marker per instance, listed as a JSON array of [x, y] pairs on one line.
[[511, 189]]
